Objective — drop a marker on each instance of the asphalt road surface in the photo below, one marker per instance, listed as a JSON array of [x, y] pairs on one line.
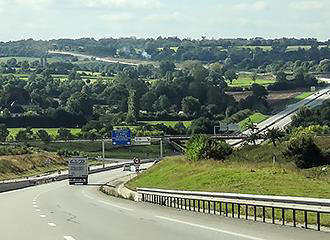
[[58, 211]]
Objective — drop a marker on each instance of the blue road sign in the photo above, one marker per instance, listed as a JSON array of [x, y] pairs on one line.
[[121, 137]]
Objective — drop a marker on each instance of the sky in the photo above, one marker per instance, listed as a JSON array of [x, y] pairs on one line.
[[53, 19]]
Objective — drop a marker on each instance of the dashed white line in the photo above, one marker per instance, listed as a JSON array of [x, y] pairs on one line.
[[69, 238], [210, 228], [116, 206], [37, 210], [35, 206], [52, 224], [42, 216]]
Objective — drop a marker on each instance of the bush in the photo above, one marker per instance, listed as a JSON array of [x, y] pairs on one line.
[[201, 147], [306, 153], [67, 153]]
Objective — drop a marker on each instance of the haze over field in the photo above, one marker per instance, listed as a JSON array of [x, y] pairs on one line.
[[47, 19]]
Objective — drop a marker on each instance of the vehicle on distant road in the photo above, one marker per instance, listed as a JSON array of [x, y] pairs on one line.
[[127, 168], [78, 170]]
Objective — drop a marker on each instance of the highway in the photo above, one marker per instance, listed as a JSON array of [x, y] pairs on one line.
[[58, 211], [283, 118]]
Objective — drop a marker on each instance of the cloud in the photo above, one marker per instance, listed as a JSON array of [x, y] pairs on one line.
[[257, 6], [175, 16], [117, 17], [122, 3], [307, 5]]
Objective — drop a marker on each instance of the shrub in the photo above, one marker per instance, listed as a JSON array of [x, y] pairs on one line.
[[201, 147], [306, 153]]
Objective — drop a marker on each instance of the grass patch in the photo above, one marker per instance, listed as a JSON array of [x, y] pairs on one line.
[[31, 59], [255, 118], [51, 131], [24, 165], [245, 80]]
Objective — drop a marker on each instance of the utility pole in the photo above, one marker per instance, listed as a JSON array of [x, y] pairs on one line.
[[103, 155], [161, 148]]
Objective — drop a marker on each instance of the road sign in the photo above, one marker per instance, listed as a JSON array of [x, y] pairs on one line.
[[121, 137], [142, 141], [137, 161]]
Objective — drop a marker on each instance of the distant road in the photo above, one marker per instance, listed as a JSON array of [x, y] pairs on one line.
[[108, 60], [283, 118], [58, 211]]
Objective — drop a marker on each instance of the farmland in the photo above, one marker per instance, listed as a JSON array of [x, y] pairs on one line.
[[245, 80]]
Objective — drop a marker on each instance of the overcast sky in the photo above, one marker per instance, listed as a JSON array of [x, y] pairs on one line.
[[49, 19]]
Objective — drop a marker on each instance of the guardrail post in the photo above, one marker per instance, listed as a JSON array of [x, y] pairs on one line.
[[220, 208], [233, 210], [226, 209], [181, 202], [194, 204], [255, 213], [142, 197], [209, 206], [273, 215], [283, 216], [306, 219], [263, 214], [203, 206], [246, 212], [318, 221], [199, 205], [185, 204], [294, 217], [239, 210], [189, 204], [214, 207]]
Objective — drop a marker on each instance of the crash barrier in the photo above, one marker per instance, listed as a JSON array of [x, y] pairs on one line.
[[20, 184], [309, 213]]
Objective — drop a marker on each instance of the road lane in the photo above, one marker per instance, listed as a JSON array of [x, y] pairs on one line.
[[84, 213]]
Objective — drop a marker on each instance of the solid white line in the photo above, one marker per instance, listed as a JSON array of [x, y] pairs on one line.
[[86, 195], [210, 228], [42, 216], [52, 224], [69, 238], [116, 206]]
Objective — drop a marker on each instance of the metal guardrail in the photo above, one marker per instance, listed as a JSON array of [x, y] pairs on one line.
[[272, 209]]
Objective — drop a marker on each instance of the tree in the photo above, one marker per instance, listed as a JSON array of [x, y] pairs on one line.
[[64, 133], [281, 76], [24, 135], [147, 100], [190, 105], [80, 103], [201, 125], [3, 132], [259, 91], [43, 135], [231, 75], [165, 67], [164, 103], [254, 76], [133, 105], [274, 134]]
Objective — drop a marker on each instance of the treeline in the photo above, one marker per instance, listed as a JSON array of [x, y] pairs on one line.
[[242, 54]]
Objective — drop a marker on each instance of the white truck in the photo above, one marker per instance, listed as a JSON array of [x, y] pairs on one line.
[[78, 170]]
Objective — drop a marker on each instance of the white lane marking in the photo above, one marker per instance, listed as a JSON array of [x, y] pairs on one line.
[[210, 228], [69, 238], [52, 224], [42, 216], [37, 210], [35, 206], [86, 195], [116, 206]]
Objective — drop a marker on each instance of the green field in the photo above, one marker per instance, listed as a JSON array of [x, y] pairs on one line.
[[303, 95], [168, 123], [245, 80], [255, 118], [51, 131], [31, 59]]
